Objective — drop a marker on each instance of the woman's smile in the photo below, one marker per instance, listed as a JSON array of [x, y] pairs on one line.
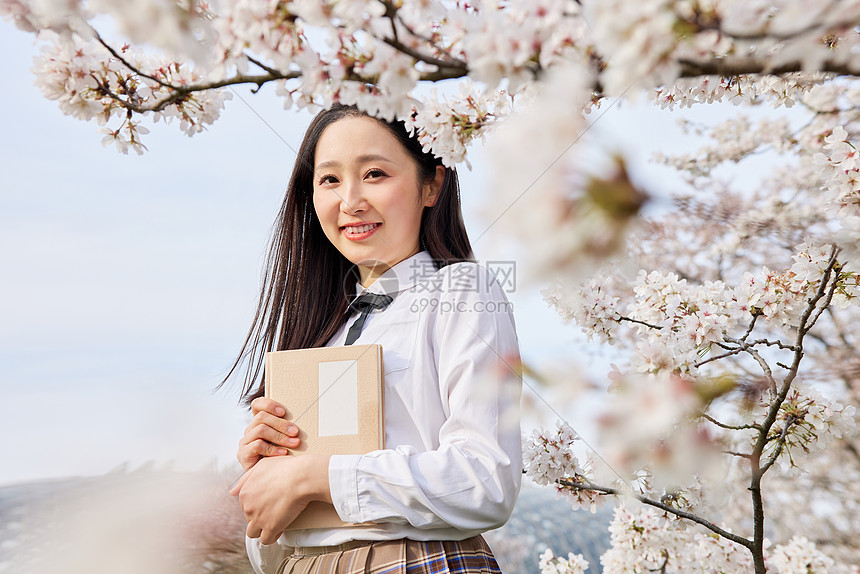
[[360, 231]]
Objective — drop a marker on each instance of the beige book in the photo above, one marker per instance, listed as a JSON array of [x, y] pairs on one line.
[[335, 396]]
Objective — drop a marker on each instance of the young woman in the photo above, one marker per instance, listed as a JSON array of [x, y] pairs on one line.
[[368, 212]]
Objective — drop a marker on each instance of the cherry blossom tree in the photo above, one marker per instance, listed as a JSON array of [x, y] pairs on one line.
[[728, 439]]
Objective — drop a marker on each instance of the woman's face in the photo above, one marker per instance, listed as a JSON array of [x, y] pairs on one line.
[[367, 195]]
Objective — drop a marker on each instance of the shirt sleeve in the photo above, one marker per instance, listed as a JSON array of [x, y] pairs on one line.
[[470, 482]]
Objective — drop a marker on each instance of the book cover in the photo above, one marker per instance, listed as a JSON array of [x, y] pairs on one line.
[[335, 396]]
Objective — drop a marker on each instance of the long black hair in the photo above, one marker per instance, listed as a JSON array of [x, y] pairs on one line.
[[307, 284]]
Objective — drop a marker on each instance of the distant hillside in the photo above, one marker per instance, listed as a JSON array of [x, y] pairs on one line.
[[149, 521], [544, 520]]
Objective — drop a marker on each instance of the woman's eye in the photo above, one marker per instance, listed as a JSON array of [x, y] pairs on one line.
[[327, 179], [374, 173]]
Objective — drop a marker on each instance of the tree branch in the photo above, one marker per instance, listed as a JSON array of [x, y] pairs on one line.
[[456, 65], [394, 42], [757, 471], [755, 317], [815, 27], [729, 67], [770, 419], [737, 454], [180, 93], [729, 427], [720, 356], [828, 297], [743, 346], [129, 65], [664, 507], [768, 373], [662, 568], [780, 443], [260, 64], [446, 70], [767, 342], [649, 325]]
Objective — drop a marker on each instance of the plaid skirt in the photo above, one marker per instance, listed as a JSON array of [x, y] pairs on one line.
[[403, 556]]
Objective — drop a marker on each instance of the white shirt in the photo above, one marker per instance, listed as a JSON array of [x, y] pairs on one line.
[[452, 462]]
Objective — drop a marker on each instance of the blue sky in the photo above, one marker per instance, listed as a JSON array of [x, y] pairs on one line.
[[127, 283]]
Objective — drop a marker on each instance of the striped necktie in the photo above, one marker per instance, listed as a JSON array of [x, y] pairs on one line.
[[365, 303]]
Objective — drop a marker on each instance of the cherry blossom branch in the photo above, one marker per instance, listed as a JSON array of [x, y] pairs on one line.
[[449, 68], [445, 70], [662, 567], [729, 67], [260, 64], [179, 93], [711, 419], [828, 298], [744, 346], [751, 326], [129, 65], [649, 325], [457, 68], [780, 443], [720, 356], [768, 373], [452, 64], [757, 471], [588, 486], [423, 38], [767, 342], [738, 454], [390, 13], [818, 26]]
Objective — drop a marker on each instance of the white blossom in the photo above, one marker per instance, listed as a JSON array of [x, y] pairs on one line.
[[548, 456], [800, 556], [551, 564], [595, 311]]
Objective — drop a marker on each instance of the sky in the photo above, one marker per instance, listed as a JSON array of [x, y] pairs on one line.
[[127, 283]]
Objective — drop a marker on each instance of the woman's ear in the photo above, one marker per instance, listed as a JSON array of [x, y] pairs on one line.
[[434, 187]]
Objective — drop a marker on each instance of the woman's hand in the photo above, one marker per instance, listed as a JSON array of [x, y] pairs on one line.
[[277, 489], [269, 434]]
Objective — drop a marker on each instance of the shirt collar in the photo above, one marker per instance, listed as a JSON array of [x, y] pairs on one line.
[[402, 275]]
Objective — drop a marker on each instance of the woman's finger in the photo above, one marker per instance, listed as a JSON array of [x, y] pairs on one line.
[[239, 483], [269, 537], [261, 447], [250, 454], [265, 404], [279, 424], [269, 434], [252, 531]]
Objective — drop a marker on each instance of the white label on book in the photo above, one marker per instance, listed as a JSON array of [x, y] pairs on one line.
[[338, 398]]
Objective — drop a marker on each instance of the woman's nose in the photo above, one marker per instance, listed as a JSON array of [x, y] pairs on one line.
[[352, 198]]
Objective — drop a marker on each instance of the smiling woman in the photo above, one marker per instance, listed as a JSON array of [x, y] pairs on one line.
[[368, 215]]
